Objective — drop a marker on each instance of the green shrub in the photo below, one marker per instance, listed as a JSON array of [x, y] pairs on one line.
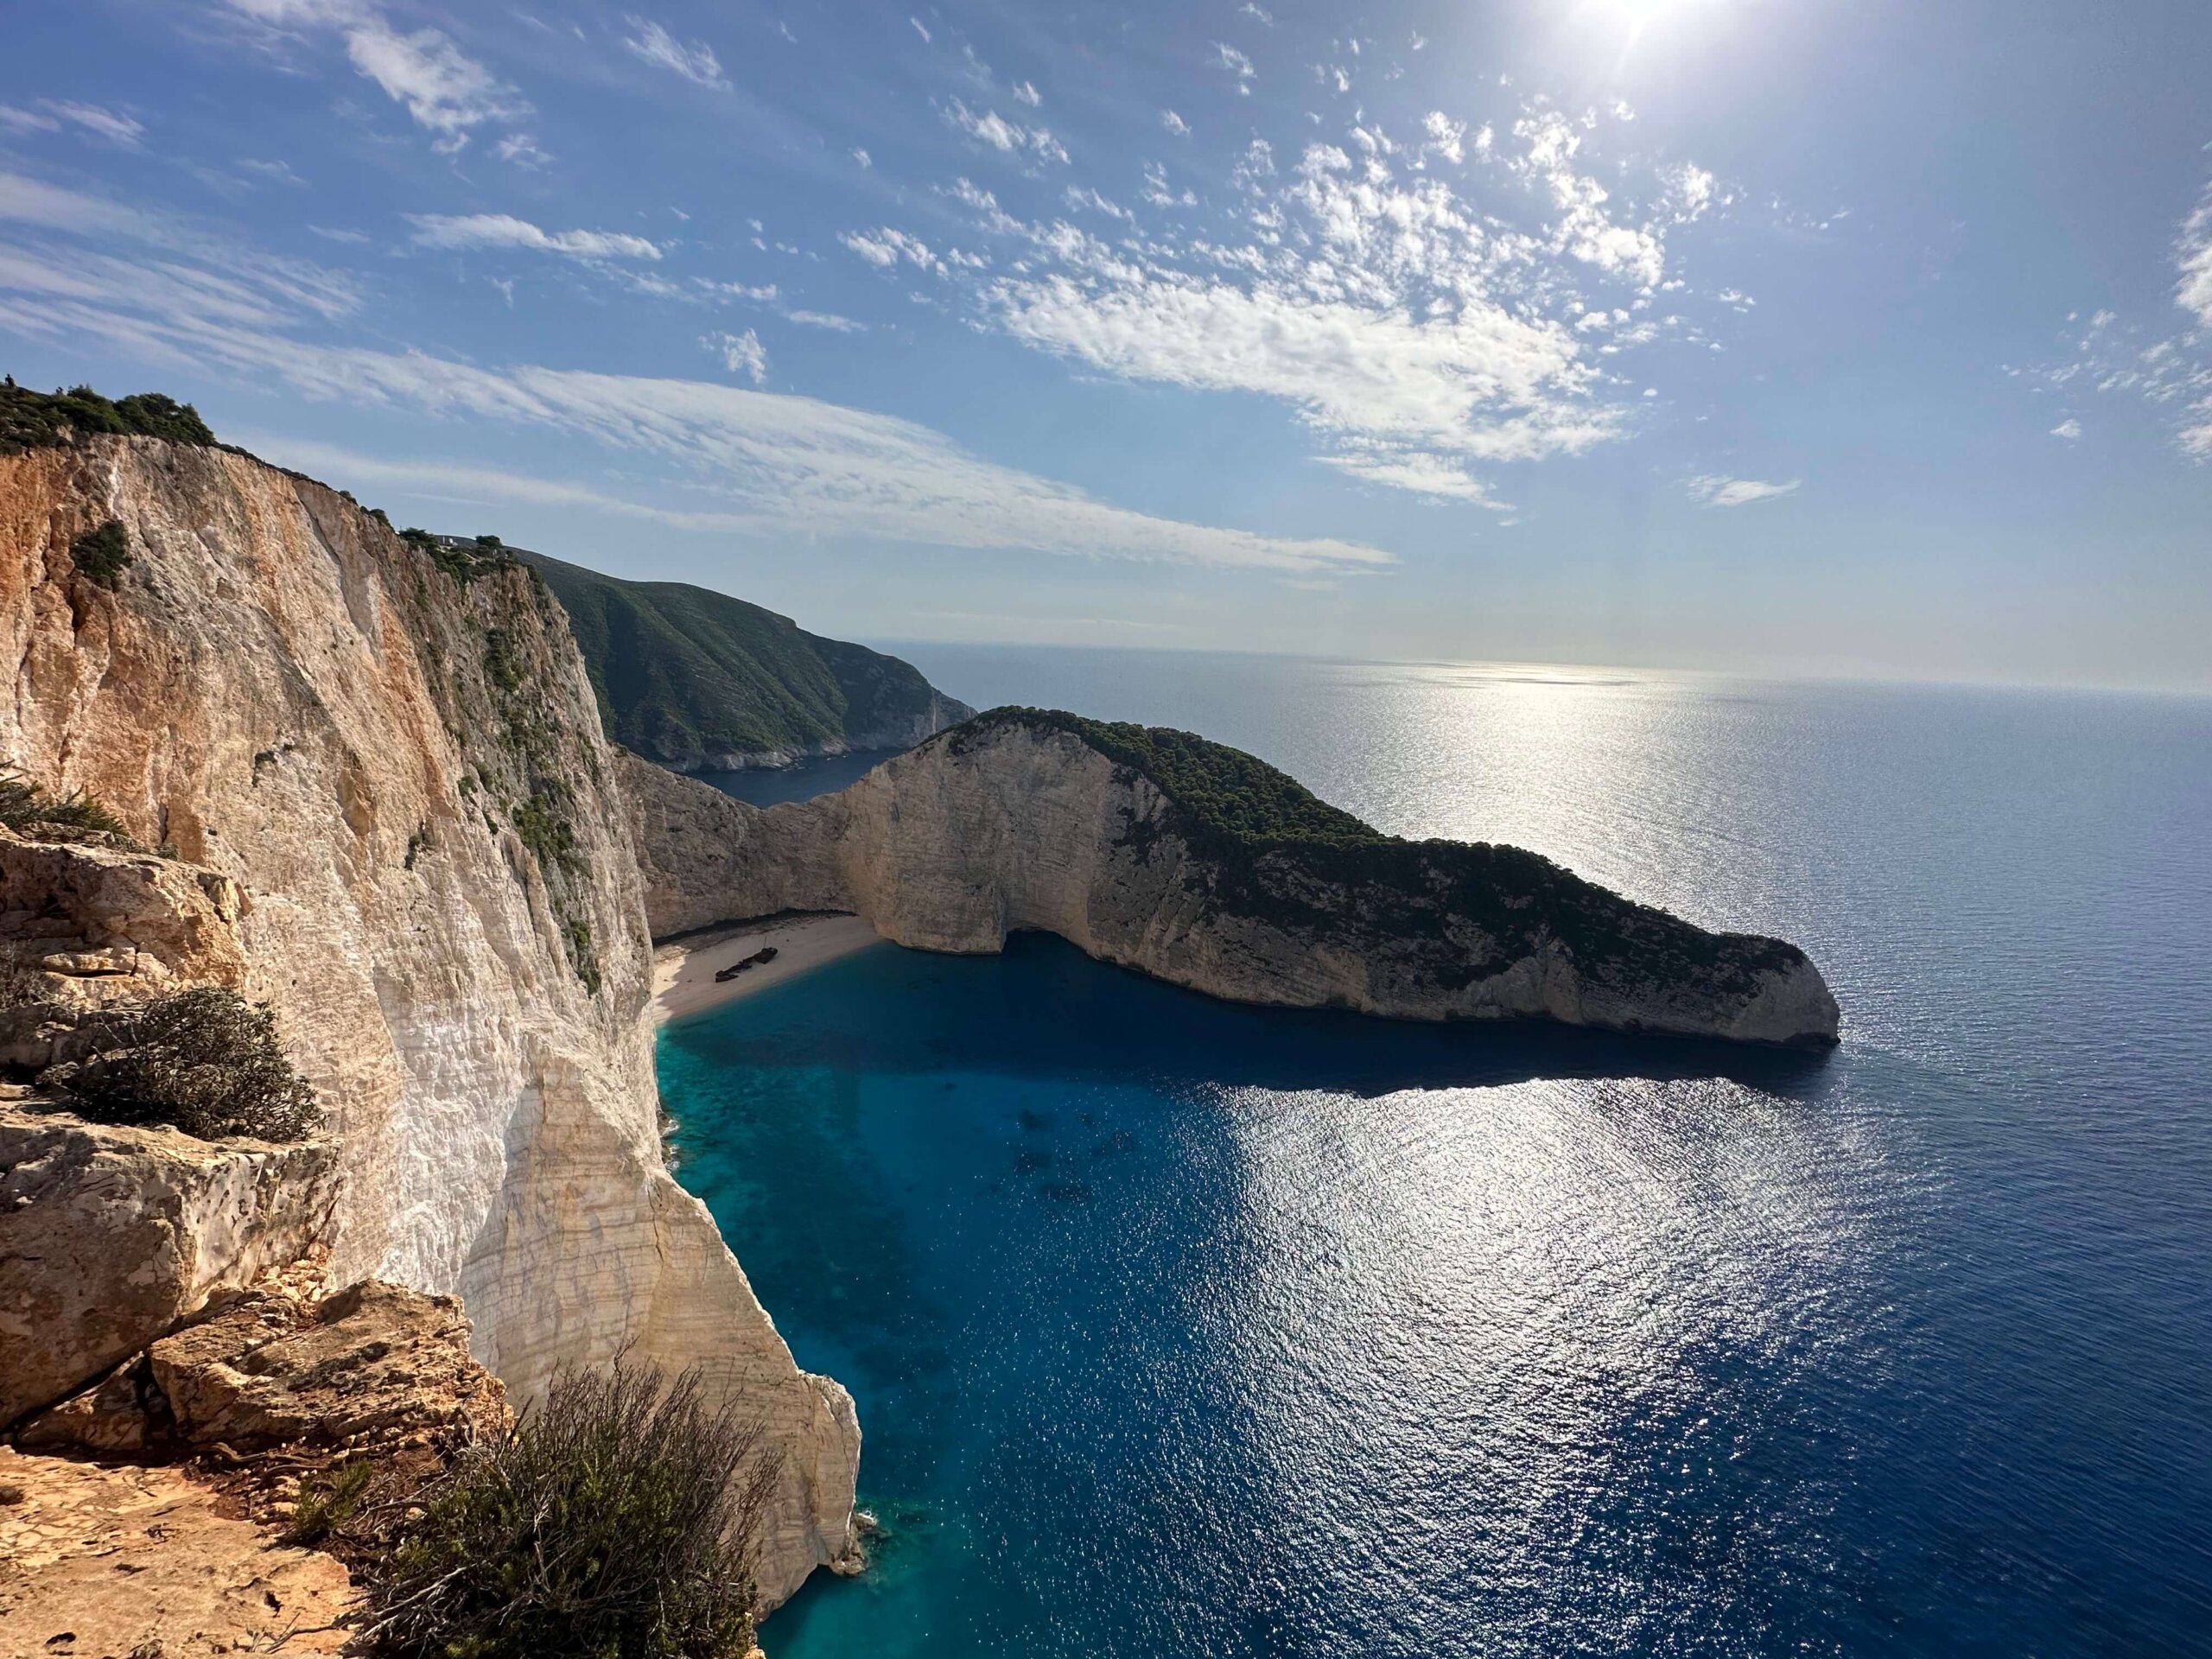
[[205, 1060], [30, 811], [101, 555], [617, 1520], [31, 420], [328, 1502]]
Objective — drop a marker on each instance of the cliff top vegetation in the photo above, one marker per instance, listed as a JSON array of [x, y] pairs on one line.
[[1277, 851], [683, 673], [1224, 790], [37, 420]]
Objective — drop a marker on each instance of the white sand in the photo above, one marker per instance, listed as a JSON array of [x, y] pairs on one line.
[[684, 970]]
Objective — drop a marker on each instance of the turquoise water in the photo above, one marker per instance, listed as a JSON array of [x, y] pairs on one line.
[[1179, 1328]]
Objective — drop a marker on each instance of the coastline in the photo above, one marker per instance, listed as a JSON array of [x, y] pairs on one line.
[[684, 968]]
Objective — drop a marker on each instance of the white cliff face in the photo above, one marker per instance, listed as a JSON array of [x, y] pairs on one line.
[[1004, 826], [404, 776]]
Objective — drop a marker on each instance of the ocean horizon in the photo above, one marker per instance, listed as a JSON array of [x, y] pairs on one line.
[[1183, 1327]]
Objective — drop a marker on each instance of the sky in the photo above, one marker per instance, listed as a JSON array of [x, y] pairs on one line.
[[1814, 337]]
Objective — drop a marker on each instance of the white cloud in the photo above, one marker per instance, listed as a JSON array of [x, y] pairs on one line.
[[223, 281], [1026, 93], [54, 113], [1228, 57], [1714, 490], [276, 172], [1250, 10], [116, 129], [2068, 429], [1175, 124], [2193, 255], [919, 31], [1446, 137], [770, 464], [1584, 230], [1010, 137], [828, 320], [504, 231], [862, 156], [445, 91], [1160, 193], [1422, 340], [522, 150], [740, 354], [695, 62], [886, 247], [1079, 199]]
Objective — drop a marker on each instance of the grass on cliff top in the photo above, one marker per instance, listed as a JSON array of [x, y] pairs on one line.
[[683, 673], [36, 420], [1224, 789]]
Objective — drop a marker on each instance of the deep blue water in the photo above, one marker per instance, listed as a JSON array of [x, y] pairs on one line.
[[802, 780], [1184, 1329]]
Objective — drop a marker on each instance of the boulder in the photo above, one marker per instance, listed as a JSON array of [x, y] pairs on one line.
[[110, 1234]]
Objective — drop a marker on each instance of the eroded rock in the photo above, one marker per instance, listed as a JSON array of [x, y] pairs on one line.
[[100, 1562], [110, 1234]]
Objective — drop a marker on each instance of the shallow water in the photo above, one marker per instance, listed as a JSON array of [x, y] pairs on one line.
[[1180, 1328]]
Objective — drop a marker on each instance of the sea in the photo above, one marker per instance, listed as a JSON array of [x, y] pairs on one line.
[[1180, 1328]]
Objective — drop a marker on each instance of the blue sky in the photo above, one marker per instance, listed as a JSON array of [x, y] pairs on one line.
[[1824, 337]]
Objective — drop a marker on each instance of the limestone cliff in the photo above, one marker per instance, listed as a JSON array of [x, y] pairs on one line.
[[1206, 867], [415, 847]]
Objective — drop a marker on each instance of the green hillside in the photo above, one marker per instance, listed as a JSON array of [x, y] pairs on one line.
[[697, 680]]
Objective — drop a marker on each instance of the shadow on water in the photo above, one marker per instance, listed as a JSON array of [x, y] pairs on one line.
[[802, 780], [1044, 1009]]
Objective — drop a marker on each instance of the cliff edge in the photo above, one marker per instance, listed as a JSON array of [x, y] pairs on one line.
[[409, 838], [1200, 865]]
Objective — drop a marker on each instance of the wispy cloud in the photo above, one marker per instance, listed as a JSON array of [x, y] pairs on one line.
[[1713, 490], [1405, 325], [445, 90], [1174, 123], [522, 149], [53, 114], [767, 464], [2069, 428], [1009, 137], [695, 61], [504, 231], [2193, 255], [1025, 93], [1228, 57], [885, 248], [740, 354], [277, 172]]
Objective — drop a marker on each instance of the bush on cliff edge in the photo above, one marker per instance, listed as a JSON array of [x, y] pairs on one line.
[[616, 1520], [205, 1060]]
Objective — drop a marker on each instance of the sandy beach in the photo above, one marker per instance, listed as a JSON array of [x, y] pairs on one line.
[[684, 969]]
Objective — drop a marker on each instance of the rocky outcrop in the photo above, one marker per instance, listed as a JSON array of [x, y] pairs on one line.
[[91, 912], [109, 1235], [399, 771], [1024, 820], [369, 1371], [98, 1561]]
